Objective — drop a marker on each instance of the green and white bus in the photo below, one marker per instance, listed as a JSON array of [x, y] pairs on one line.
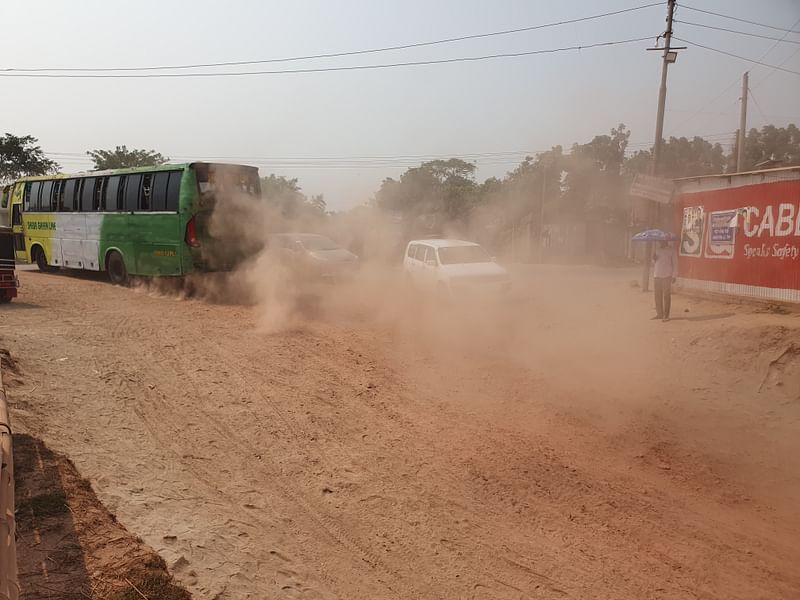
[[149, 221]]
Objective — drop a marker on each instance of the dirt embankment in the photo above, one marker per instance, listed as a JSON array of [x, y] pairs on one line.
[[69, 546]]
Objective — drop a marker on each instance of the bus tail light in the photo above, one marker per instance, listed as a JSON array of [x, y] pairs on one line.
[[191, 234]]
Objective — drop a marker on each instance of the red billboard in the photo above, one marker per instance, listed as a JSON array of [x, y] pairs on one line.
[[740, 234]]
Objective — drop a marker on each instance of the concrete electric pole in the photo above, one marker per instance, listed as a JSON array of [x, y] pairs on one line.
[[541, 212], [668, 57], [742, 125]]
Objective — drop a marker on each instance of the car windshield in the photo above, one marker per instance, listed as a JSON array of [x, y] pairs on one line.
[[316, 242], [459, 255]]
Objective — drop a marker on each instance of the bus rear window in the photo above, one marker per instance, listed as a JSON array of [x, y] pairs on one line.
[[227, 179]]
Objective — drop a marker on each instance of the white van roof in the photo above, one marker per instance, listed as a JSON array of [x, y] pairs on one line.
[[443, 243]]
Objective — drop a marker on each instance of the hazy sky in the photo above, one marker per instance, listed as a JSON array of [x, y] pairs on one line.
[[313, 125]]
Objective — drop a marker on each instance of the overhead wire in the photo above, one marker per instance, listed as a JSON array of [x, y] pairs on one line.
[[323, 69], [509, 157], [735, 81], [751, 34], [758, 106], [716, 14], [750, 60], [338, 54], [786, 60]]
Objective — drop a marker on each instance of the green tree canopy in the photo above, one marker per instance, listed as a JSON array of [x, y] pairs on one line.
[[680, 157], [593, 170], [20, 156], [432, 194], [121, 157], [286, 196], [317, 203], [590, 182], [778, 146], [274, 187]]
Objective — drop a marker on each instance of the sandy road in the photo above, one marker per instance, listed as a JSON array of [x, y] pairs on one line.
[[561, 445]]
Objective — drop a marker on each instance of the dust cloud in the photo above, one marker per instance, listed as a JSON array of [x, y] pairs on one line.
[[569, 327], [575, 325], [581, 329], [286, 297]]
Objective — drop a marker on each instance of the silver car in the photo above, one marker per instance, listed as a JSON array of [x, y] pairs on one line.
[[313, 255]]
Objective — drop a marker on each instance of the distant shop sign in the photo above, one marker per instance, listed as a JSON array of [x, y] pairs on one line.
[[742, 239], [652, 188]]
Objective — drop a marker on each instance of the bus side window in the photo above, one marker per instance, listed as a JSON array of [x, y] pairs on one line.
[[78, 191], [113, 193], [58, 194], [99, 193], [33, 196], [26, 198], [68, 195], [132, 185], [87, 194], [46, 196], [159, 200], [174, 191], [147, 191]]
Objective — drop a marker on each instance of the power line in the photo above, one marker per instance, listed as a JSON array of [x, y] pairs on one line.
[[758, 106], [83, 156], [781, 64], [750, 60], [325, 69], [340, 54], [758, 35], [708, 12], [369, 157], [729, 114], [500, 157], [787, 59], [735, 81]]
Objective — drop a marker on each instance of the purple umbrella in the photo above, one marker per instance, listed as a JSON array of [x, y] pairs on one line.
[[654, 235]]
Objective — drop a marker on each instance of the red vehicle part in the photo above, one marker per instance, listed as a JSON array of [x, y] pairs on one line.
[[8, 279]]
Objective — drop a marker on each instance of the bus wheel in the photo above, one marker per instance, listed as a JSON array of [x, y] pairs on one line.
[[115, 266], [41, 259], [4, 297]]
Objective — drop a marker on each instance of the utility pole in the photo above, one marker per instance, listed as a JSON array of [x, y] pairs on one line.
[[541, 212], [668, 57], [742, 125]]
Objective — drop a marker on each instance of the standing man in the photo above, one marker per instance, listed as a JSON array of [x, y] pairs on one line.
[[665, 270]]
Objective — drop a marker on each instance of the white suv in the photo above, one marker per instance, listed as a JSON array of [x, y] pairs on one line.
[[454, 268]]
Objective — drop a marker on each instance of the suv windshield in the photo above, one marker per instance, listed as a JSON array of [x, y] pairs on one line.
[[459, 255]]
